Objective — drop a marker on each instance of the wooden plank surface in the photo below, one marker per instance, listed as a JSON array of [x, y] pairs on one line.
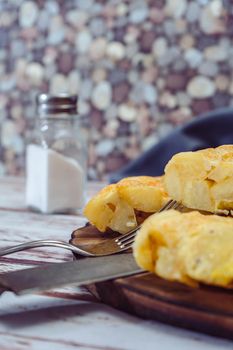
[[204, 308], [69, 318]]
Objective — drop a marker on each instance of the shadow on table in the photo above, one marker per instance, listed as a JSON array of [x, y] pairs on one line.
[[79, 314], [50, 313]]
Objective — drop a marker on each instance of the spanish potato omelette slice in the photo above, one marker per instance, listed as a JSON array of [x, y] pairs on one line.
[[187, 247]]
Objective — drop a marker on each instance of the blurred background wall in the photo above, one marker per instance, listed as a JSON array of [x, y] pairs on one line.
[[140, 67]]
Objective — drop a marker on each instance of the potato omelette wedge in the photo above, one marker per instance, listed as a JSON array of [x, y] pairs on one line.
[[203, 179], [187, 247], [122, 206]]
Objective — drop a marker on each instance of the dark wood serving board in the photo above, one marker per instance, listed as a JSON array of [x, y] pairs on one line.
[[205, 309]]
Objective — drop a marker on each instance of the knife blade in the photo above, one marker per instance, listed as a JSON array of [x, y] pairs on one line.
[[78, 272]]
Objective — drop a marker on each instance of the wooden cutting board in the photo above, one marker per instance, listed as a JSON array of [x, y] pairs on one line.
[[205, 309]]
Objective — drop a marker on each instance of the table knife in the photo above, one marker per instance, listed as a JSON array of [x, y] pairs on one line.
[[79, 272]]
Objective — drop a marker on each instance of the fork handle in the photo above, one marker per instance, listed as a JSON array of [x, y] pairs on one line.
[[43, 243]]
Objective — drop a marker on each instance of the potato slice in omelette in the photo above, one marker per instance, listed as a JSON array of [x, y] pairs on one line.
[[203, 179], [122, 206], [143, 193], [187, 247]]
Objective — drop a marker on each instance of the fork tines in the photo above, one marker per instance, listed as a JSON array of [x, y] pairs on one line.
[[171, 204], [127, 239]]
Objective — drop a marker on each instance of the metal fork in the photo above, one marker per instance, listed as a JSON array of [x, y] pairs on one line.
[[108, 247], [126, 240]]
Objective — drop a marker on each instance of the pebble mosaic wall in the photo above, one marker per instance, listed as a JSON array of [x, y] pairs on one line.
[[140, 68]]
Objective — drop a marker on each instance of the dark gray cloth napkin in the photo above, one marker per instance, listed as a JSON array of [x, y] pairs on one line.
[[209, 130]]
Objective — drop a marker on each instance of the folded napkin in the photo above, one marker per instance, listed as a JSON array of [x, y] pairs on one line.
[[208, 130]]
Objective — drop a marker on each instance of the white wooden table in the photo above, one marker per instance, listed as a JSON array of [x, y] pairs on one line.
[[69, 318]]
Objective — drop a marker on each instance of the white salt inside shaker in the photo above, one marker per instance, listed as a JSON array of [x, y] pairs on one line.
[[56, 156], [55, 183]]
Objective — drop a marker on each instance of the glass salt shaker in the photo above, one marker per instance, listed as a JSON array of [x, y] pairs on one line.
[[56, 159]]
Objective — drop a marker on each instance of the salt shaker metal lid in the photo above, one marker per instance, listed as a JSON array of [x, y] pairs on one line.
[[62, 103]]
